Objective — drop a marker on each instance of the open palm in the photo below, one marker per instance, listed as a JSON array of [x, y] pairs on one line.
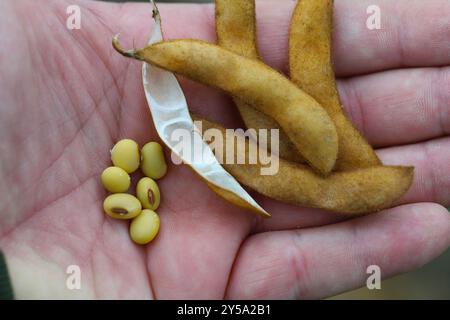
[[66, 97]]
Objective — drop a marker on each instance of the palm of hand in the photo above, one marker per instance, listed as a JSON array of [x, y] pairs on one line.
[[68, 97]]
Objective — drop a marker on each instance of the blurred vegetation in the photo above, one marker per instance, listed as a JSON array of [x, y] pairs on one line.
[[432, 281]]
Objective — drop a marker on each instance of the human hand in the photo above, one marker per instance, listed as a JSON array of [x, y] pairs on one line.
[[67, 96]]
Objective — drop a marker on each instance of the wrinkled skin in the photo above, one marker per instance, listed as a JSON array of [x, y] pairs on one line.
[[66, 97]]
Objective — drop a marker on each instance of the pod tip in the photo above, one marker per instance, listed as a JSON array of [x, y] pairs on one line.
[[118, 47]]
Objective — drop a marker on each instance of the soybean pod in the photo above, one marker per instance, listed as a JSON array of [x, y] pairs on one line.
[[352, 192], [168, 106], [236, 31], [311, 68], [300, 116]]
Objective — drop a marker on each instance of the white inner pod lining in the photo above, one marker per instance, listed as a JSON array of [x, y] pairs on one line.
[[170, 112]]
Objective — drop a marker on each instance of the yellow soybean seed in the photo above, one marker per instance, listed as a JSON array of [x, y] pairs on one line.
[[144, 227], [115, 179], [147, 192], [125, 155], [153, 163], [122, 206]]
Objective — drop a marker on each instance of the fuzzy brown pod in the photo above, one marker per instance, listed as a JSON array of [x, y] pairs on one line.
[[352, 192], [300, 116], [236, 31], [311, 68]]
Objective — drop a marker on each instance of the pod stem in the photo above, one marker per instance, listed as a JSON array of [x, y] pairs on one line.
[[133, 53], [155, 12], [126, 53]]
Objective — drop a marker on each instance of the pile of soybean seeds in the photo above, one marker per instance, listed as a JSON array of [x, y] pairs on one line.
[[140, 209]]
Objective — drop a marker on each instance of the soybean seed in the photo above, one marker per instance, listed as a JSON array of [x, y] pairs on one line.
[[115, 179], [122, 206], [125, 155], [147, 192], [144, 227], [153, 163]]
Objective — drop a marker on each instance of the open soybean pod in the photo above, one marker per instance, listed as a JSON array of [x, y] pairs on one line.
[[311, 69], [352, 192], [236, 31], [170, 113], [303, 119]]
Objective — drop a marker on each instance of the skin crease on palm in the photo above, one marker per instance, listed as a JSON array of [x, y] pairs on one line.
[[67, 97]]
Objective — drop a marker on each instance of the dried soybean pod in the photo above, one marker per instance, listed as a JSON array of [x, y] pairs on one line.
[[236, 31], [311, 69], [350, 192], [299, 115], [230, 197], [236, 26]]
